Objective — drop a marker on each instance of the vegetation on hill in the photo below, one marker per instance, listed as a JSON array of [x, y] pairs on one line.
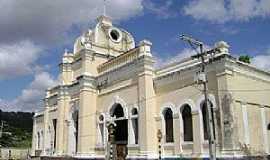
[[17, 130]]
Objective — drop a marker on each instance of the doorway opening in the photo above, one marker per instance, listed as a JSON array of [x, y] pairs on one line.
[[121, 131]]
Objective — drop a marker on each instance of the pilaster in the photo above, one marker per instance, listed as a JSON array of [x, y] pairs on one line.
[[66, 74], [245, 123], [87, 117], [227, 131], [264, 130], [34, 146], [90, 62], [176, 131], [198, 138], [63, 101], [147, 111], [46, 141]]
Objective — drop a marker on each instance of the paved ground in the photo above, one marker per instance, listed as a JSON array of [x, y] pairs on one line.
[[244, 158]]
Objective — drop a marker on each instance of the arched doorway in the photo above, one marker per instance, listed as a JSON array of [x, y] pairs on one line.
[[121, 131]]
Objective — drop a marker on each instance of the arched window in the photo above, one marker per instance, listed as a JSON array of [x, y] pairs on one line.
[[168, 117], [50, 140], [268, 127], [134, 118], [75, 118], [54, 136], [101, 128], [187, 123], [41, 139], [205, 123]]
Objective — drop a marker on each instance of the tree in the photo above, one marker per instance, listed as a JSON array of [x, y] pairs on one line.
[[245, 58], [18, 129]]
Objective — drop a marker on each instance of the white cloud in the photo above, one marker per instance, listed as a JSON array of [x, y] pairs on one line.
[[5, 105], [46, 21], [31, 97], [261, 61], [185, 53], [163, 12], [17, 59], [220, 11], [206, 9], [26, 25]]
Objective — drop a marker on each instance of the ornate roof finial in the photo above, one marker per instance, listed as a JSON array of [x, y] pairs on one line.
[[104, 7], [66, 52]]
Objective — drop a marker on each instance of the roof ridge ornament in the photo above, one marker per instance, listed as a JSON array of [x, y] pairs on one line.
[[104, 7], [103, 18], [66, 52], [223, 46]]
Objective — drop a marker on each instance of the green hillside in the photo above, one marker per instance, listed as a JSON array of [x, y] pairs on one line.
[[17, 130]]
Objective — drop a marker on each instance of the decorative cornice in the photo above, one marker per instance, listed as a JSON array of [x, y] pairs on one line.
[[248, 71], [126, 71], [89, 53], [251, 103], [119, 61], [223, 65], [86, 81], [105, 91]]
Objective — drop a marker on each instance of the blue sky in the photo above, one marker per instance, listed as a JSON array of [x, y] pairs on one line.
[[35, 34]]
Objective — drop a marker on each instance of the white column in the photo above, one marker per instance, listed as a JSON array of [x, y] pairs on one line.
[[104, 133], [45, 141], [176, 131], [69, 146], [198, 134], [98, 133], [245, 123], [34, 137], [131, 136], [181, 132], [42, 141], [264, 131], [101, 133]]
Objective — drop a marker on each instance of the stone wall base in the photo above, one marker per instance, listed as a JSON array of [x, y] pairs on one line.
[[180, 158]]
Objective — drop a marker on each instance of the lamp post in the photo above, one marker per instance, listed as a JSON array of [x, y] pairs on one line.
[[159, 136], [111, 137]]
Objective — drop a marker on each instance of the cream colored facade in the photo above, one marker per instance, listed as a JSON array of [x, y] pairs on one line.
[[107, 73]]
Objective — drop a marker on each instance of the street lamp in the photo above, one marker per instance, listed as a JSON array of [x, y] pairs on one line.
[[159, 136], [111, 130]]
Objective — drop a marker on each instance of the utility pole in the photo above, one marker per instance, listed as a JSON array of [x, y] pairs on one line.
[[203, 78]]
